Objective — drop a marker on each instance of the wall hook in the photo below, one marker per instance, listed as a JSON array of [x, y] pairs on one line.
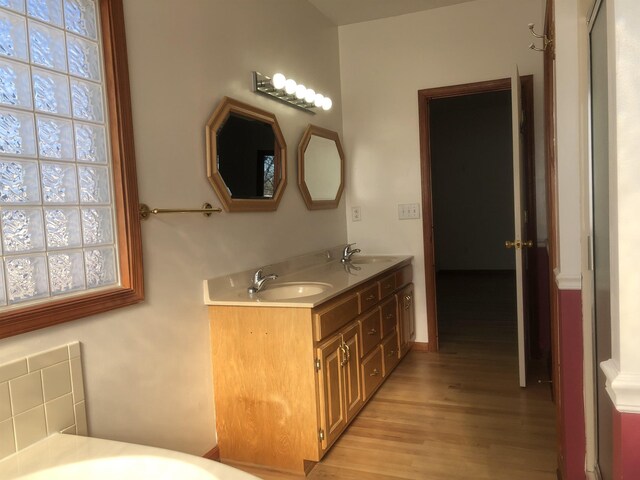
[[547, 41]]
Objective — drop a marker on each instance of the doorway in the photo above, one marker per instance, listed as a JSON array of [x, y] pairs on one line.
[[473, 215], [433, 100]]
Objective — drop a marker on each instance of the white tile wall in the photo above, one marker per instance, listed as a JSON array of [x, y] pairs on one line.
[[40, 395]]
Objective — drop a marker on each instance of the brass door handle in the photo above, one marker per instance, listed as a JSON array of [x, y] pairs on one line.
[[518, 244], [345, 358]]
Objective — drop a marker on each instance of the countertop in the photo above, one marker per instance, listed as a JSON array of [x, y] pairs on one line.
[[335, 276]]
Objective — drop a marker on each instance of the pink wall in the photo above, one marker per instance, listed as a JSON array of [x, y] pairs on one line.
[[571, 387], [626, 446]]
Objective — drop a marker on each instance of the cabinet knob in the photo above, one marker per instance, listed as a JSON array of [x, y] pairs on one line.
[[370, 297], [391, 353], [373, 331], [374, 373]]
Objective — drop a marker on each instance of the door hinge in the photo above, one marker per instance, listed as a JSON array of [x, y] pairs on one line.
[[321, 435], [317, 364]]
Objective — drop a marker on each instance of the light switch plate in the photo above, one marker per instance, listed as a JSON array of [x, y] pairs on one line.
[[408, 211]]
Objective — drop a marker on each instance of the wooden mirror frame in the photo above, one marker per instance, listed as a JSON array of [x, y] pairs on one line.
[[226, 107], [302, 147]]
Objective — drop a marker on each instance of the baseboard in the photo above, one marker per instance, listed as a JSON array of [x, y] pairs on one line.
[[420, 346], [213, 454]]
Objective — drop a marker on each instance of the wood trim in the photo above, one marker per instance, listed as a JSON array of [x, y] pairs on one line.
[[25, 319], [213, 454], [420, 346], [302, 184], [551, 177], [218, 117], [424, 98]]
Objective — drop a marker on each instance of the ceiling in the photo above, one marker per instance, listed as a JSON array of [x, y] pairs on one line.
[[344, 12]]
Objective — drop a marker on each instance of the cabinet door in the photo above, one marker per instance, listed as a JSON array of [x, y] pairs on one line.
[[333, 415], [352, 384]]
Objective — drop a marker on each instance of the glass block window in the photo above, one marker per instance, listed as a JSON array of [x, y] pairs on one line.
[[57, 219]]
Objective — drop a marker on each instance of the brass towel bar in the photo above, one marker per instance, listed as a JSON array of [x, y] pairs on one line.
[[206, 210]]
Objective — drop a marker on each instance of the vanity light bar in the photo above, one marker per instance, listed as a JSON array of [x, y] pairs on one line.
[[287, 90]]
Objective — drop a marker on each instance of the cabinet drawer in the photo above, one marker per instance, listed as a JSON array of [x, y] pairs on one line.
[[387, 285], [371, 372], [389, 315], [335, 315], [390, 357], [369, 331], [404, 276], [368, 297]]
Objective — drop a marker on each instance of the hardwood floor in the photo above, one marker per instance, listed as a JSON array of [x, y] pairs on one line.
[[455, 415]]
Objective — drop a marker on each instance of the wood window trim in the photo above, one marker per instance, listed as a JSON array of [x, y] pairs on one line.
[[131, 290]]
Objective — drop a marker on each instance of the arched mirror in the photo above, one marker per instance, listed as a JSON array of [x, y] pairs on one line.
[[246, 157], [320, 168]]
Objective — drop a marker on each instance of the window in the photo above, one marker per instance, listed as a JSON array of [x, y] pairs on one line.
[[68, 198]]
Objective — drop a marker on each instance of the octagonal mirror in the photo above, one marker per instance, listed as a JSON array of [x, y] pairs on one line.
[[246, 157], [320, 168]]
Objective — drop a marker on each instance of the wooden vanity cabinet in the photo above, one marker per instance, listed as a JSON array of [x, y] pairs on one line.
[[288, 380]]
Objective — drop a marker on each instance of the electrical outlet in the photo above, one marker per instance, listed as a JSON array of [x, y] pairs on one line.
[[355, 214], [408, 211]]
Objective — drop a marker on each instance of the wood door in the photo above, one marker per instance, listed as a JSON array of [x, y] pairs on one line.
[[352, 385], [333, 416], [520, 240]]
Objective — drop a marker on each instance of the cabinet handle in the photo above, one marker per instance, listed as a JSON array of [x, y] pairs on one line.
[[374, 373], [346, 346], [371, 297], [373, 331], [391, 353], [389, 316], [407, 302], [387, 286], [345, 358]]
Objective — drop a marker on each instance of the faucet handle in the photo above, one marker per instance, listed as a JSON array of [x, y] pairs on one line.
[[258, 275]]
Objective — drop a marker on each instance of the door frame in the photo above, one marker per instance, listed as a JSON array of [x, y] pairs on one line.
[[424, 98]]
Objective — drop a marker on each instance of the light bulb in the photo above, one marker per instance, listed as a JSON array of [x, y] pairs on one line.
[[301, 91], [327, 103], [319, 99], [310, 97], [290, 86], [278, 81]]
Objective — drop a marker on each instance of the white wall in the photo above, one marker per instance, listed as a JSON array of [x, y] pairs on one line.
[[383, 65], [147, 367], [624, 114], [570, 88]]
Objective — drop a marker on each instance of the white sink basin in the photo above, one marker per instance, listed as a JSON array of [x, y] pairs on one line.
[[288, 291], [372, 259]]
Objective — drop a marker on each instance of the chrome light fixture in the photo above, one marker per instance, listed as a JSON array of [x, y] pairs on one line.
[[289, 91]]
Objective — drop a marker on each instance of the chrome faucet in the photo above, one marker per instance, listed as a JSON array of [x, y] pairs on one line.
[[347, 253], [259, 280]]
